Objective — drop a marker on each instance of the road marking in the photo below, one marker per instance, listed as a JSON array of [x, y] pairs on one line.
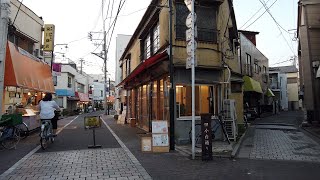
[[128, 152], [12, 168]]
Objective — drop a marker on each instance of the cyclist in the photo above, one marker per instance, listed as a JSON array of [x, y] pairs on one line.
[[47, 109]]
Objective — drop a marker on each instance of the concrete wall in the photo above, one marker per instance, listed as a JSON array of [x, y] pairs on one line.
[[27, 22]]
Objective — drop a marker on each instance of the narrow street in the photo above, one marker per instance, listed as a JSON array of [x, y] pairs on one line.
[[121, 158]]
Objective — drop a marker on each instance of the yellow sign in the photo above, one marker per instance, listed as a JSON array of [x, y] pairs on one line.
[[92, 122], [48, 39]]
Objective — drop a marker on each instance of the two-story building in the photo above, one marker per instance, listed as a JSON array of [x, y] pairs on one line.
[[288, 83], [72, 88], [145, 62], [278, 85], [254, 67]]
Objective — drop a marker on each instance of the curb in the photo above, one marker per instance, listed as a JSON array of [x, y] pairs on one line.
[[310, 134], [236, 149]]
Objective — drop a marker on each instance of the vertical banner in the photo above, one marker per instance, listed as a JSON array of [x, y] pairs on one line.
[[206, 137], [48, 38], [56, 69]]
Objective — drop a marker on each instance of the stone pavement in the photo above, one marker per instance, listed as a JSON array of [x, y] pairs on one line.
[[69, 158], [113, 163]]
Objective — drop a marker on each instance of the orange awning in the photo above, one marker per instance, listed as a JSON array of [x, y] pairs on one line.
[[23, 71]]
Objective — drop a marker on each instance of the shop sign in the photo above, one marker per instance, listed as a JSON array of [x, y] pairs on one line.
[[56, 69], [48, 40], [206, 137], [92, 122]]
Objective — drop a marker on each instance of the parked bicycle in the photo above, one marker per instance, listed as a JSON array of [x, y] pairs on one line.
[[9, 131], [46, 134], [218, 123]]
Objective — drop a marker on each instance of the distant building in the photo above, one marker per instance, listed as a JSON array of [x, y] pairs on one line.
[[121, 44], [288, 76], [72, 88], [309, 56], [278, 85], [254, 68]]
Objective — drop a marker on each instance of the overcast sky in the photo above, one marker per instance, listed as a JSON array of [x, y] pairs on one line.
[[75, 18]]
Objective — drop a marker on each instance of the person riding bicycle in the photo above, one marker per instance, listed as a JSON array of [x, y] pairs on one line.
[[47, 109]]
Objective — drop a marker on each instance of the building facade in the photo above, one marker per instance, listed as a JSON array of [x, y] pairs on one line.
[[145, 61], [309, 56], [254, 67], [121, 44], [72, 88], [278, 85]]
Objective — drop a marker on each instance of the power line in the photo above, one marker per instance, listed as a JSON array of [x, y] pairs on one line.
[[278, 26], [253, 15], [261, 15], [17, 12]]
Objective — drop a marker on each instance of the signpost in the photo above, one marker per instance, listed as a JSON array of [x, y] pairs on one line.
[[206, 137], [190, 61], [93, 122]]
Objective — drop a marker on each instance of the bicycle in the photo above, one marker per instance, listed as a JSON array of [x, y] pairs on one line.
[[9, 132], [214, 127], [23, 130], [46, 133]]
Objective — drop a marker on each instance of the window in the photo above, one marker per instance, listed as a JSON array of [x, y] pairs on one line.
[[206, 22], [156, 38], [264, 69], [121, 73], [147, 47], [183, 100], [128, 64], [55, 80], [256, 68], [248, 65], [260, 69], [101, 93], [69, 82]]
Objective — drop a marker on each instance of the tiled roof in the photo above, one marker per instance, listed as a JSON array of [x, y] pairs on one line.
[[284, 69]]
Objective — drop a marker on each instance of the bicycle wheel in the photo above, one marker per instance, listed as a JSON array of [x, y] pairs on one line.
[[24, 130], [44, 139], [12, 138]]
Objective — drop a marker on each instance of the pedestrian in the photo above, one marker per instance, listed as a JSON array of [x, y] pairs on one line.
[[47, 108]]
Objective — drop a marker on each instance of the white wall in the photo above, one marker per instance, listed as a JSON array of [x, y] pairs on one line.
[[121, 44], [284, 92], [98, 87]]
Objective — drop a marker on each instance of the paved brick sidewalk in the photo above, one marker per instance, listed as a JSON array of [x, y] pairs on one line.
[[69, 158], [280, 144], [112, 163]]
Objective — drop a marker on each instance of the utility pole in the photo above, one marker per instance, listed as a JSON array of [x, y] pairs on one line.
[[105, 63], [4, 21], [81, 62], [171, 90], [109, 97]]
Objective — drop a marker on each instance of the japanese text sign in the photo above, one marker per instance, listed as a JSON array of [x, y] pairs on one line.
[[206, 132], [92, 122], [48, 38]]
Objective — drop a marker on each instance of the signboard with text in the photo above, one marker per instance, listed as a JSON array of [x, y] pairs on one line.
[[48, 38], [206, 137]]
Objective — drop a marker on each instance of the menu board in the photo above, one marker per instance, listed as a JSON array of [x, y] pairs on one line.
[[160, 140], [159, 127]]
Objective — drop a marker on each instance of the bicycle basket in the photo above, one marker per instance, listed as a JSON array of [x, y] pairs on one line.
[[11, 119]]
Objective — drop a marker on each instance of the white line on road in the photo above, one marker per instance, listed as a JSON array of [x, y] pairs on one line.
[[130, 155], [12, 168]]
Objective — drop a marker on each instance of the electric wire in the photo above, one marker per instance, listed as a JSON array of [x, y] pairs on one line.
[[278, 26], [260, 15], [253, 16], [17, 12]]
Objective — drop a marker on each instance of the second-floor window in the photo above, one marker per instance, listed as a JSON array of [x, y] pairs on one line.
[[256, 68], [264, 69], [128, 65], [69, 82], [55, 80], [248, 65], [147, 47], [156, 38], [206, 22]]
